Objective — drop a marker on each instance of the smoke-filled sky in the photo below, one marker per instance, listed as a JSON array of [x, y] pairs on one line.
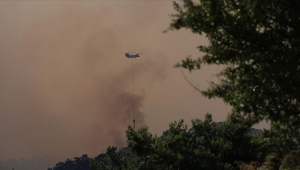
[[65, 88]]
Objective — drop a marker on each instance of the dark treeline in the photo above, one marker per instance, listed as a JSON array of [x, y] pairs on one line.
[[206, 145]]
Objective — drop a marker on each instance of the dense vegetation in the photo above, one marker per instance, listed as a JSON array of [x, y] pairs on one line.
[[79, 163], [205, 145], [257, 43]]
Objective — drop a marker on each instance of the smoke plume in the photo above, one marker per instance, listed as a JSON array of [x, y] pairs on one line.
[[65, 90]]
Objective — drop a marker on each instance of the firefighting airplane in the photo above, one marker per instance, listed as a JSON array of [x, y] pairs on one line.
[[132, 55]]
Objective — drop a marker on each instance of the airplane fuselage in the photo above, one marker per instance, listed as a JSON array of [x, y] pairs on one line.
[[132, 56]]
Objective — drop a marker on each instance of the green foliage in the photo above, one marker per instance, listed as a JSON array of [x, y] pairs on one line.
[[207, 145], [115, 160], [257, 42]]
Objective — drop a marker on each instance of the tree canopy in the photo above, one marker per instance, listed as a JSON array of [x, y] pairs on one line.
[[206, 145], [257, 42]]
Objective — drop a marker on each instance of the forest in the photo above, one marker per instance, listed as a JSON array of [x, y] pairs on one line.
[[207, 145]]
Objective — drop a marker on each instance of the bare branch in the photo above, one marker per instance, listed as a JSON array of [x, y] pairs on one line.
[[190, 83]]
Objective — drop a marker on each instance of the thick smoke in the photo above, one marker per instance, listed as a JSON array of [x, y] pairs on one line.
[[120, 106], [65, 90]]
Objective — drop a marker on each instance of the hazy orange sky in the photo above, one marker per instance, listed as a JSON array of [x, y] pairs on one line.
[[62, 75]]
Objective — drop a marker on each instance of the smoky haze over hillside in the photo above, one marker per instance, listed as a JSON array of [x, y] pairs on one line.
[[65, 90]]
